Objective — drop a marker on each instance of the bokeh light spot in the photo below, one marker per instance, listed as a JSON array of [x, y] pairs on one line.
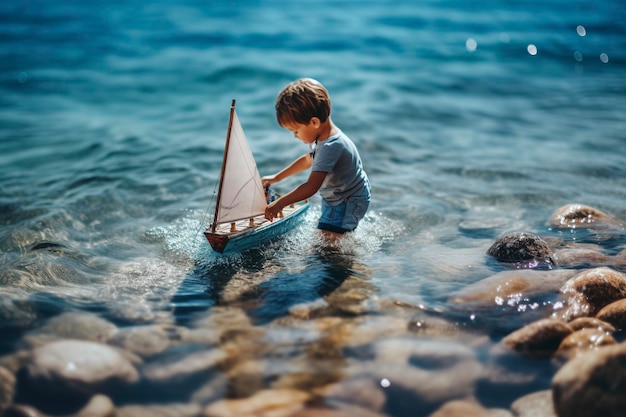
[[471, 44], [532, 49]]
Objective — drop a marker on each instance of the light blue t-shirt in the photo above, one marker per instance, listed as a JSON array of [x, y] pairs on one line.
[[345, 177]]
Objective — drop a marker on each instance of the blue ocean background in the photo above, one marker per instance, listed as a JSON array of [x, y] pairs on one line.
[[473, 119]]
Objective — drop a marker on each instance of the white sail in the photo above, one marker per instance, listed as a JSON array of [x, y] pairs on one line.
[[242, 194]]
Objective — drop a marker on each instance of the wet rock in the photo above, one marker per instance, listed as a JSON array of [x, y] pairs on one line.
[[521, 248], [539, 339], [15, 313], [340, 411], [592, 384], [591, 290], [419, 375], [581, 257], [510, 287], [309, 310], [581, 216], [72, 325], [507, 374], [161, 410], [177, 370], [7, 389], [591, 323], [614, 313], [537, 404], [138, 312], [467, 408], [359, 391], [266, 403], [77, 368], [14, 361], [247, 377], [144, 341], [212, 390], [362, 330], [582, 341], [97, 406]]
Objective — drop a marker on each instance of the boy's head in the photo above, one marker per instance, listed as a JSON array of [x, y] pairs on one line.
[[302, 100]]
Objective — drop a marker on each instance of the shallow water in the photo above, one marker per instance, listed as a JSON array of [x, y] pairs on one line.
[[472, 119]]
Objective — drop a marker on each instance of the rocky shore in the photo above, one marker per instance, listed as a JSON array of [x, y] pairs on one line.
[[337, 357]]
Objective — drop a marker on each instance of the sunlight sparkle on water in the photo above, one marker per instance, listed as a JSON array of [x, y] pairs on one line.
[[532, 49], [581, 30], [471, 44]]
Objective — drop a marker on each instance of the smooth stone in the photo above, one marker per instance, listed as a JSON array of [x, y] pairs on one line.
[[419, 375], [520, 247], [185, 368], [265, 403], [592, 384], [505, 286], [614, 313], [468, 408], [537, 404], [161, 410], [581, 216], [593, 289], [7, 388], [19, 313], [144, 341], [97, 406], [138, 312], [338, 411], [591, 323], [582, 341], [71, 367], [362, 392], [538, 339], [72, 325], [579, 257]]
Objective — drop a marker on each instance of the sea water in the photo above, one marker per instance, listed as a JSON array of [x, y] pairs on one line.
[[473, 119]]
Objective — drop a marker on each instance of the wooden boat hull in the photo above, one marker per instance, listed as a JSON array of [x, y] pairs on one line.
[[252, 236]]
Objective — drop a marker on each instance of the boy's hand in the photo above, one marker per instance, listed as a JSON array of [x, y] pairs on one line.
[[272, 210], [268, 180]]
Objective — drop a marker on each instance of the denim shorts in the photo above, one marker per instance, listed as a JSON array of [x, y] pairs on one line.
[[344, 217]]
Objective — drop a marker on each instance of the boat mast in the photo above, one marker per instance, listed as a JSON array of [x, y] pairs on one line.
[[219, 190]]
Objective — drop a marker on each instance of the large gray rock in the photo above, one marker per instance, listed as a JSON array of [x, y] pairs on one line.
[[70, 368], [593, 384], [71, 325], [419, 375], [144, 341]]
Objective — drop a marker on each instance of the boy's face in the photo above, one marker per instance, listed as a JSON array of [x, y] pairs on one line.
[[307, 133]]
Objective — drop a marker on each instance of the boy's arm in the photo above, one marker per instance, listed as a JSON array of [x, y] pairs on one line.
[[301, 192], [297, 166]]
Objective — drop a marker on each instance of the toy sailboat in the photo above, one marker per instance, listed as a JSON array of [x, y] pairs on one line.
[[239, 222]]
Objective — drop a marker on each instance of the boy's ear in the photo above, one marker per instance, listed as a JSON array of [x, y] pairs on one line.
[[315, 121]]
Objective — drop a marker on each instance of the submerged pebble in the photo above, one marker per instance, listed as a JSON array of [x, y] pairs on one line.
[[592, 384]]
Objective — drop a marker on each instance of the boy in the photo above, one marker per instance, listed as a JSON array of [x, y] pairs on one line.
[[303, 107]]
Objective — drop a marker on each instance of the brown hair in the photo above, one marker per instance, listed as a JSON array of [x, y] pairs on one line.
[[301, 100]]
